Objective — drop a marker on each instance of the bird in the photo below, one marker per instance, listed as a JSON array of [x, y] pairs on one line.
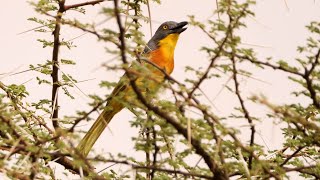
[[159, 52]]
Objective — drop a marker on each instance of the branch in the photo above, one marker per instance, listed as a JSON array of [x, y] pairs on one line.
[[232, 134], [134, 166], [218, 173], [306, 76], [67, 7], [273, 66], [156, 151], [219, 51], [55, 55], [304, 170], [78, 120], [213, 59], [15, 174], [16, 105], [14, 128], [57, 157], [291, 156], [314, 64], [294, 118], [55, 63], [166, 75], [243, 107]]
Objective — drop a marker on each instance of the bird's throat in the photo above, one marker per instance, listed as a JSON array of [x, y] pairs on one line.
[[170, 41]]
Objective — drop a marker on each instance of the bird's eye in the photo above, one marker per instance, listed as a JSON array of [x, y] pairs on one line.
[[165, 27]]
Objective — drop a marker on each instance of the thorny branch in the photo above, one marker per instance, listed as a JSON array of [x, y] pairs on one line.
[[243, 107]]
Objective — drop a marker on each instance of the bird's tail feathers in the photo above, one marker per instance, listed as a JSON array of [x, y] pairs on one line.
[[97, 128]]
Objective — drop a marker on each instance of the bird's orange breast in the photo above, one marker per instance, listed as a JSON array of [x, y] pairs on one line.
[[163, 57]]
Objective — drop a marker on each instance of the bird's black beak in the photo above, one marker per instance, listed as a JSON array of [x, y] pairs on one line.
[[179, 28]]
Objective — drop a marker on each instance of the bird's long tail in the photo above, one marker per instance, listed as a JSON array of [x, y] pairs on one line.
[[97, 128]]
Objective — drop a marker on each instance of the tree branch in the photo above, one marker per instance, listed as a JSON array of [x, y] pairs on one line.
[[55, 69], [309, 81], [291, 156], [219, 50], [67, 7], [78, 120], [134, 166], [273, 66], [244, 108]]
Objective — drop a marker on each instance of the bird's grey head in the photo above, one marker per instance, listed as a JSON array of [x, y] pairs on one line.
[[165, 29]]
